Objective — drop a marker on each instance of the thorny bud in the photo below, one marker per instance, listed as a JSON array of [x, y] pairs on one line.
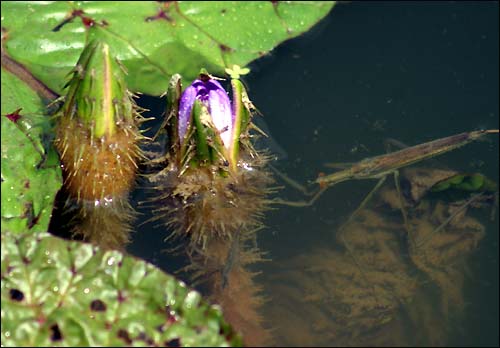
[[206, 115], [98, 132], [98, 140], [97, 93], [212, 193]]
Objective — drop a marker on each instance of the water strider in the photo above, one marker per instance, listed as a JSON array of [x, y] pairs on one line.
[[379, 167]]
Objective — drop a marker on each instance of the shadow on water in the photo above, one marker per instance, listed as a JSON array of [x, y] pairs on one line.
[[370, 71]]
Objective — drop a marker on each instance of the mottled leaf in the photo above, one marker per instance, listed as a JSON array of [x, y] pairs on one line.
[[31, 175], [154, 39], [60, 293]]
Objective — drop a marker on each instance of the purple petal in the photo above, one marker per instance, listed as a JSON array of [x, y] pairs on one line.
[[185, 107], [220, 110]]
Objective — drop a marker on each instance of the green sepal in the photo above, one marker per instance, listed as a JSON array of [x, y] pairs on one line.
[[199, 115], [97, 93], [203, 72], [171, 122], [209, 145], [241, 120], [217, 149]]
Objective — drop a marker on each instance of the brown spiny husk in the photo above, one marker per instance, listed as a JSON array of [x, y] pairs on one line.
[[98, 174], [223, 266], [219, 216], [97, 168], [107, 224], [202, 204]]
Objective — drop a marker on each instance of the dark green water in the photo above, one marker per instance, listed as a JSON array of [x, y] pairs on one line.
[[414, 71]]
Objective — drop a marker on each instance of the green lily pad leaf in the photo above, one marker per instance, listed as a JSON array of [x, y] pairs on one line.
[[153, 39], [466, 182], [60, 293], [31, 175]]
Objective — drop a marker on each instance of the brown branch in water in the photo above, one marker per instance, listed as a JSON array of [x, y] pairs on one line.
[[27, 77]]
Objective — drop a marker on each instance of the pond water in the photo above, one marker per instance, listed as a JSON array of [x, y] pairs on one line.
[[368, 72]]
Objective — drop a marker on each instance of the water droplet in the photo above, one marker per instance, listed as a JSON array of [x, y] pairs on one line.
[[111, 261], [86, 290]]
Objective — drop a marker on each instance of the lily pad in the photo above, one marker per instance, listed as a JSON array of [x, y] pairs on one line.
[[466, 182], [31, 175], [60, 293], [153, 39]]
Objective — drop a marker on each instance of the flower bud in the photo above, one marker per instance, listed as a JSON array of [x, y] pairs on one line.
[[97, 94], [97, 132], [213, 191], [206, 115], [97, 138]]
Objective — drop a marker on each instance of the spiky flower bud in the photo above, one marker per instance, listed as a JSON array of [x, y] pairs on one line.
[[207, 118], [213, 191], [97, 132], [97, 137]]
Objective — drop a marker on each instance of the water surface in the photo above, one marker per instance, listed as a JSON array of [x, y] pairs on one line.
[[414, 71]]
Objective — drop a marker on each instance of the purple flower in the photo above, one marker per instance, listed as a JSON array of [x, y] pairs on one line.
[[214, 97]]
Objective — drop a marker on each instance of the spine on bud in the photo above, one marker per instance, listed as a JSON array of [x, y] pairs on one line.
[[213, 194], [98, 139]]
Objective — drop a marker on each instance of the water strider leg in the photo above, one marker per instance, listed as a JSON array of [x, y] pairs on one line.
[[339, 165], [403, 209], [346, 244], [364, 202], [494, 207], [389, 142], [358, 264], [296, 185], [425, 239], [358, 209], [300, 203]]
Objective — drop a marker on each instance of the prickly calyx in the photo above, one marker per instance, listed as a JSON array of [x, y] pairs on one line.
[[98, 137]]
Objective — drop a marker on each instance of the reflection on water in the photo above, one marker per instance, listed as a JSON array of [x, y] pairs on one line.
[[414, 72], [373, 287]]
